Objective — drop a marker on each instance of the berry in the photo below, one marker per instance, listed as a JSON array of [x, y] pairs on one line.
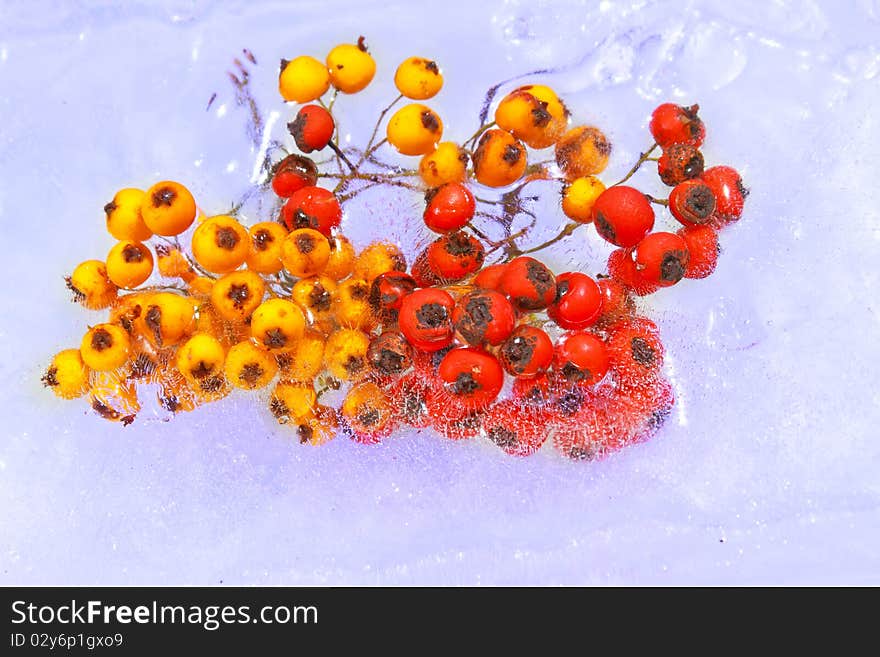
[[527, 352], [367, 413], [425, 319], [312, 129], [533, 114], [581, 358], [422, 273], [622, 268], [220, 244], [236, 295], [124, 220], [387, 293], [582, 151], [105, 347], [351, 304], [312, 207], [472, 376], [674, 124], [305, 252], [378, 258], [616, 301], [168, 208], [418, 78], [692, 202], [579, 196], [305, 360], [408, 396], [292, 174], [167, 318], [67, 374], [351, 67], [277, 324], [303, 79], [578, 301], [449, 207], [129, 264], [518, 430], [447, 163], [345, 353], [489, 278], [389, 354], [529, 284], [661, 259], [249, 367], [342, 258], [291, 402], [635, 352], [623, 215], [730, 194], [500, 159], [414, 129], [264, 254], [454, 256], [91, 285], [483, 316], [703, 250], [678, 163]]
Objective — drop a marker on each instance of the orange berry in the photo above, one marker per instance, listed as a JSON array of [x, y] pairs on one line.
[[500, 159], [582, 151], [220, 244], [129, 264], [168, 208]]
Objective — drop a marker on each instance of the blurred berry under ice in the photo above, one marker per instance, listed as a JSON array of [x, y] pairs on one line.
[[766, 472]]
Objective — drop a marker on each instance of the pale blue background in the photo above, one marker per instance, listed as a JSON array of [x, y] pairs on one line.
[[768, 469]]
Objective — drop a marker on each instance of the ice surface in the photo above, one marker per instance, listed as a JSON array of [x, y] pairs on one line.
[[767, 471]]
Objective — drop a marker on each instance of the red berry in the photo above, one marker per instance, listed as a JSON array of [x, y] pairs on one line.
[[622, 268], [452, 418], [616, 301], [635, 352], [623, 215], [518, 430], [425, 318], [293, 173], [312, 207], [483, 316], [674, 124], [389, 354], [489, 278], [408, 396], [702, 244], [678, 163], [312, 129], [422, 273], [454, 256], [529, 283], [581, 358], [662, 258], [387, 292], [527, 352], [730, 194], [472, 376], [692, 202], [449, 207], [578, 301]]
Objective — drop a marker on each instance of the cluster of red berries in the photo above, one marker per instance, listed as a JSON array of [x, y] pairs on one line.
[[476, 337]]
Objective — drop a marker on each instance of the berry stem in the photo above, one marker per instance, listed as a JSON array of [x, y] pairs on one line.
[[473, 138], [658, 201], [341, 155], [565, 232], [370, 148], [643, 157]]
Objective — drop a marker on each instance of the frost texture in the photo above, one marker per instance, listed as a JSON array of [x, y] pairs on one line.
[[766, 471]]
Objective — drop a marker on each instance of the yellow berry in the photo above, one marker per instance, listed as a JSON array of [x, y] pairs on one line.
[[237, 294], [579, 196], [166, 318], [200, 360], [264, 254], [114, 398], [124, 220], [342, 258], [367, 410], [129, 264], [171, 263], [200, 286], [448, 163], [91, 286], [582, 151], [277, 324], [351, 67], [220, 244], [293, 402], [351, 304], [414, 129], [305, 252], [418, 78], [249, 367], [318, 429], [175, 394], [378, 258], [303, 79], [105, 347], [168, 208], [345, 353], [499, 160], [533, 114], [67, 374], [305, 360], [315, 296]]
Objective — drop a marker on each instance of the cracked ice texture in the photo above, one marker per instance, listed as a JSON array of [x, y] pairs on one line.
[[767, 470]]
